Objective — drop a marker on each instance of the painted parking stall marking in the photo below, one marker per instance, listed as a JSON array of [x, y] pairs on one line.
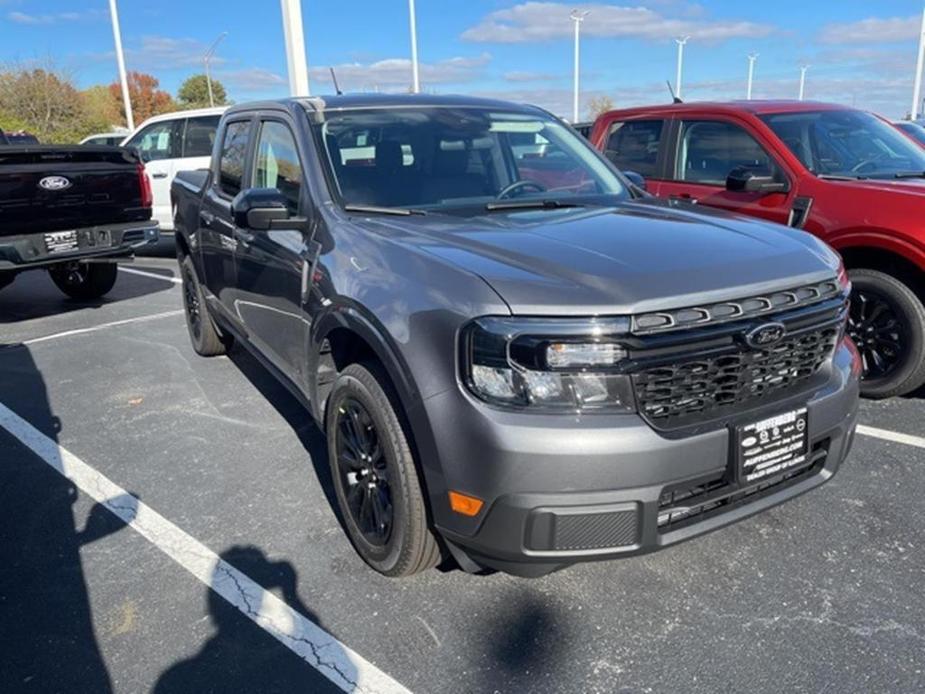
[[154, 275], [103, 326], [896, 437], [345, 668]]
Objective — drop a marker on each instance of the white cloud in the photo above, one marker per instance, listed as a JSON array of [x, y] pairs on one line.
[[54, 18], [165, 53], [872, 30], [543, 21], [528, 76], [251, 80], [393, 74]]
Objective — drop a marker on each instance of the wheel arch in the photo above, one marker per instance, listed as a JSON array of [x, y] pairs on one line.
[[886, 260]]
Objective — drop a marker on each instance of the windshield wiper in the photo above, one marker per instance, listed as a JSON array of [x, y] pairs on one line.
[[839, 177], [909, 174], [530, 205], [375, 209]]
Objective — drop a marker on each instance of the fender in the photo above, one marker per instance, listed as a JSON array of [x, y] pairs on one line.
[[882, 239]]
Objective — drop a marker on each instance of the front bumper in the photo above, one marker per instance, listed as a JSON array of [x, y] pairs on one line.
[[561, 490], [29, 251]]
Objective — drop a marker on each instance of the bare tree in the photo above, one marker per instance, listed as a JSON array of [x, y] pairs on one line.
[[598, 105]]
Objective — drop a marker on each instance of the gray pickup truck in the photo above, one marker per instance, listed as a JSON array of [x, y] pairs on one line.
[[73, 211], [519, 358]]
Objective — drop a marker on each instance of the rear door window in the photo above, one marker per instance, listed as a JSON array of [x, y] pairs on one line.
[[199, 136], [709, 150], [277, 162], [234, 156], [634, 145]]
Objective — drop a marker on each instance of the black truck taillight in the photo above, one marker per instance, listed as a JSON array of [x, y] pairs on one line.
[[147, 195]]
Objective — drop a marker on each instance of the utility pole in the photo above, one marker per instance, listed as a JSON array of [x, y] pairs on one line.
[[803, 69], [206, 59], [577, 16], [416, 75], [917, 90], [681, 41], [120, 58], [751, 74], [295, 47]]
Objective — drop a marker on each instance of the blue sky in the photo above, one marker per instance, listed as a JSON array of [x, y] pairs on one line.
[[860, 52]]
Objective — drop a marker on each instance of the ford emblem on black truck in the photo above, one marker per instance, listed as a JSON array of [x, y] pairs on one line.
[[765, 335], [55, 183]]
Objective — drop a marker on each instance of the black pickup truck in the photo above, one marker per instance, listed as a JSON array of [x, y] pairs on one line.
[[73, 211], [517, 356]]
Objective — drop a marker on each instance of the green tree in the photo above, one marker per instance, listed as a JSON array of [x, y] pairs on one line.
[[194, 93], [104, 111]]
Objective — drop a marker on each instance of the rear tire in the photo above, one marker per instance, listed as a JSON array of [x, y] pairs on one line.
[[887, 323], [379, 493], [206, 340], [84, 281]]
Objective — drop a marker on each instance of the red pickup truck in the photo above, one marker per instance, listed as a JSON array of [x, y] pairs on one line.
[[845, 175]]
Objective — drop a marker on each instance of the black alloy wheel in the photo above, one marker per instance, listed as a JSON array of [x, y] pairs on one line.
[[364, 472], [192, 304], [876, 326], [207, 340]]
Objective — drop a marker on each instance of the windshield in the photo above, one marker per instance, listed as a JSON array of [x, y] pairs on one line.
[[451, 158], [914, 130], [847, 143]]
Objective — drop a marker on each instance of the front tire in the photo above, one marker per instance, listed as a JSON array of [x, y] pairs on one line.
[[207, 342], [84, 281], [887, 323], [378, 490]]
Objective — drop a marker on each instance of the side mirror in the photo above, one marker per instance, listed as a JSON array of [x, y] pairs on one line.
[[259, 209], [744, 180], [636, 179]]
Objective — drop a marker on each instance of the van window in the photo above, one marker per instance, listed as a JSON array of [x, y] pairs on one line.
[[199, 136], [277, 165], [633, 145], [234, 152]]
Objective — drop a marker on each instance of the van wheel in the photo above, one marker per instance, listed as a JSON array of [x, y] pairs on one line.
[[207, 342], [887, 323], [376, 482], [84, 281]]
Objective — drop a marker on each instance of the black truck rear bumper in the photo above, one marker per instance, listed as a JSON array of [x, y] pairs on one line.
[[111, 241]]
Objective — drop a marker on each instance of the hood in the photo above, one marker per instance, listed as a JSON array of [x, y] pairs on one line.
[[638, 256], [902, 186]]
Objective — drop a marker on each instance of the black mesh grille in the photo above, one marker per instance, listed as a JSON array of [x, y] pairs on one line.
[[594, 530], [696, 389]]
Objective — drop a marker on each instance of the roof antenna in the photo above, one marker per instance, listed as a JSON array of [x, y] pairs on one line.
[[336, 86], [674, 97]]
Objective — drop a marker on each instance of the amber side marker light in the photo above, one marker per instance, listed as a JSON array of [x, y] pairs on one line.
[[464, 504]]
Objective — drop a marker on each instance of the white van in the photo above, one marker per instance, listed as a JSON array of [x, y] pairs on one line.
[[173, 142]]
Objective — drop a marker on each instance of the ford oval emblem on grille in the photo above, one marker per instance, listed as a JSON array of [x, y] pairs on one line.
[[765, 335], [55, 183]]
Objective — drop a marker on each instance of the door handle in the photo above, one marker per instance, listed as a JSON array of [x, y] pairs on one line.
[[159, 174], [683, 197], [206, 218]]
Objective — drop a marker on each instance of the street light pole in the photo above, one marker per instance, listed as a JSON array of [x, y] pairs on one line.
[[917, 90], [120, 59], [681, 41], [416, 76], [295, 47], [577, 16], [207, 59], [803, 69], [751, 74]]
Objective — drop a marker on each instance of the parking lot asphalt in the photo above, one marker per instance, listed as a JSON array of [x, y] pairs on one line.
[[824, 594]]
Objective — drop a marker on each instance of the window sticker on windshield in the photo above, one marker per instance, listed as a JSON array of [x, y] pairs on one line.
[[516, 127]]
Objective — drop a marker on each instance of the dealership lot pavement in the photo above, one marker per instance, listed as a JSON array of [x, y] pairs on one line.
[[825, 593]]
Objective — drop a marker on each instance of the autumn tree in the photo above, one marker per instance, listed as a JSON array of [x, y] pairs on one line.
[[194, 93], [44, 101], [599, 105], [147, 99], [102, 107]]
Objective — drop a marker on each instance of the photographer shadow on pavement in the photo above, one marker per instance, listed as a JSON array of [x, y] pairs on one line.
[[240, 657], [47, 633]]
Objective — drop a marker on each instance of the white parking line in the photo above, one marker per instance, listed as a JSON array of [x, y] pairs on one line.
[[102, 326], [166, 278], [894, 436], [348, 670]]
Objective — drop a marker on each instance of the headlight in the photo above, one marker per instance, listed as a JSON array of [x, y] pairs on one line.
[[843, 280], [563, 365]]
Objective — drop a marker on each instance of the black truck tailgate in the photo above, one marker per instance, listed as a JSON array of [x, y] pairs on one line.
[[54, 188]]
